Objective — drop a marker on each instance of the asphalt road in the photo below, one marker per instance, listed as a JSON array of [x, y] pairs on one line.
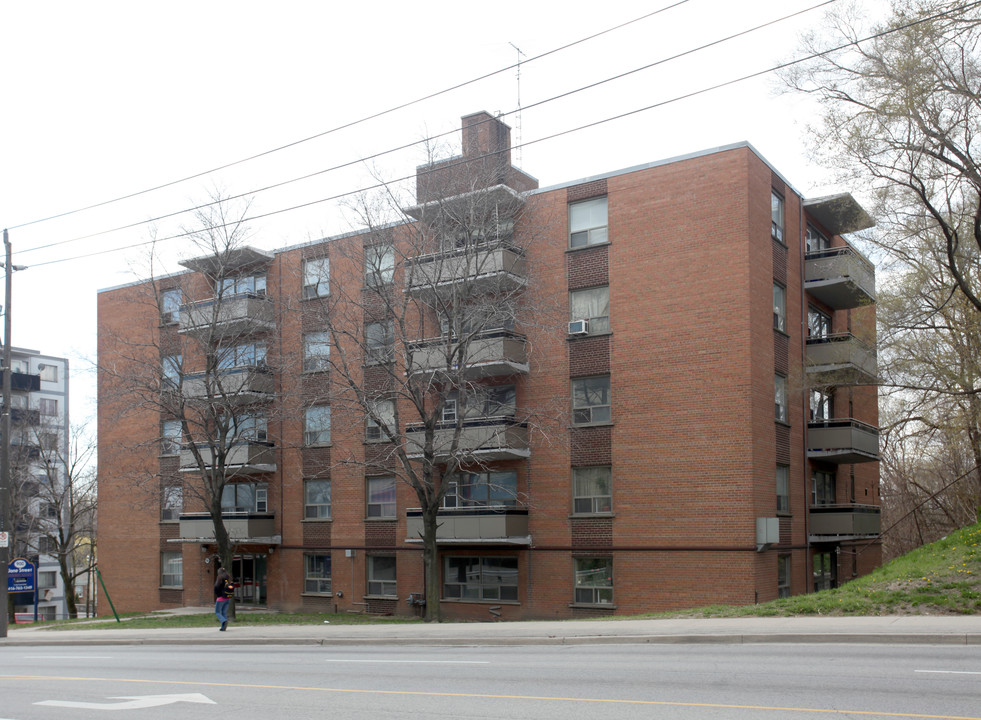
[[622, 681]]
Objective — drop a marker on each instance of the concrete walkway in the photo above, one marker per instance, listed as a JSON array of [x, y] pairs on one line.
[[919, 629]]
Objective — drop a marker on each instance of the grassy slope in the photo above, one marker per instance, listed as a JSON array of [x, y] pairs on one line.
[[943, 578]]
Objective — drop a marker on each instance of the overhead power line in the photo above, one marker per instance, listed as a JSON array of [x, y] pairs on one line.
[[406, 146], [350, 124]]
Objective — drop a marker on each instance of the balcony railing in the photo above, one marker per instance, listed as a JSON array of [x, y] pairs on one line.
[[839, 277], [493, 438], [843, 522], [496, 353], [483, 268], [242, 527], [842, 441], [237, 385], [242, 458], [485, 525], [23, 382], [229, 316], [840, 359]]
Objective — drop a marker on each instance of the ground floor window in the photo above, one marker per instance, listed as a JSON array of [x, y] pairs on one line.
[[171, 569], [480, 578], [594, 581], [824, 571], [783, 576], [317, 574], [381, 575]]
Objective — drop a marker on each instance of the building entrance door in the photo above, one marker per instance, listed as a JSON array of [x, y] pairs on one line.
[[249, 573]]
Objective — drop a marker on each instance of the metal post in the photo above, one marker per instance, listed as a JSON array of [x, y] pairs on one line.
[[5, 440]]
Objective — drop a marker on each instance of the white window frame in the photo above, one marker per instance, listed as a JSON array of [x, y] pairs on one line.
[[379, 347], [586, 412], [316, 277], [171, 502], [316, 425], [317, 574], [380, 584], [381, 497], [385, 410], [316, 351], [480, 578], [589, 222], [587, 484], [313, 506], [379, 264], [783, 488], [592, 304], [170, 305], [783, 576], [174, 563], [593, 580], [780, 398], [777, 216], [779, 307]]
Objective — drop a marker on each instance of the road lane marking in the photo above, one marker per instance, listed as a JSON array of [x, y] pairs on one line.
[[68, 657], [488, 696], [134, 702], [413, 662], [950, 672]]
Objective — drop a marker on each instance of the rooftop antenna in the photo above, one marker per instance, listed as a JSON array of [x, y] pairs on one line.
[[517, 115]]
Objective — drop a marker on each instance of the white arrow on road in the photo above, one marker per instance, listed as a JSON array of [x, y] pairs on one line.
[[135, 702]]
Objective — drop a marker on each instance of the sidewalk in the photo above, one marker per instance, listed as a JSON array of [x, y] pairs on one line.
[[917, 629]]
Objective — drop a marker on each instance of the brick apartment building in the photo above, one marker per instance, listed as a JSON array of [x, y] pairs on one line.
[[701, 366]]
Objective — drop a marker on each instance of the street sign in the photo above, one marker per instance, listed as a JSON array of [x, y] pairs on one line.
[[4, 539], [21, 576]]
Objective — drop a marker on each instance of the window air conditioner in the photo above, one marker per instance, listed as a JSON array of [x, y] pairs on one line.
[[579, 327]]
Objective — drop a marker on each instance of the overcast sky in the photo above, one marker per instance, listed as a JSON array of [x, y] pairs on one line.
[[101, 100]]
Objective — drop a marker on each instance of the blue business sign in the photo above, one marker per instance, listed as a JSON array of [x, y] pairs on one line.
[[21, 576]]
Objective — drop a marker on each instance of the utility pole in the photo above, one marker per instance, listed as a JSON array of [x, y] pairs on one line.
[[5, 441]]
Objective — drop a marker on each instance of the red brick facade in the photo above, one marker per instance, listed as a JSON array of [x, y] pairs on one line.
[[692, 444]]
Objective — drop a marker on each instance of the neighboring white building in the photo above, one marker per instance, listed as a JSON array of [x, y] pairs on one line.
[[39, 404]]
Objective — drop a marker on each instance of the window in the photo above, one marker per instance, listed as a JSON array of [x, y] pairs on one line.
[[822, 487], [171, 366], [242, 285], [779, 308], [316, 351], [591, 491], [245, 355], [783, 576], [449, 410], [591, 400], [594, 581], [495, 401], [171, 569], [245, 498], [488, 489], [776, 216], [48, 441], [379, 265], [818, 323], [780, 398], [821, 405], [375, 429], [381, 497], [170, 305], [480, 578], [475, 318], [381, 575], [316, 499], [592, 305], [588, 223], [316, 425], [824, 572], [171, 502], [814, 240], [249, 427], [783, 489], [379, 341], [46, 579], [48, 372], [316, 577], [316, 277], [48, 406]]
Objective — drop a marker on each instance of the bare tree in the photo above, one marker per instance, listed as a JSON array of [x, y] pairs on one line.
[[425, 353], [206, 372]]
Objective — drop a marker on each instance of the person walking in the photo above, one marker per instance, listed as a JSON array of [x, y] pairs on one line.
[[223, 591]]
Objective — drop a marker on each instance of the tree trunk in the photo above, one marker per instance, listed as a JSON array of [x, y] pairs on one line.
[[430, 561]]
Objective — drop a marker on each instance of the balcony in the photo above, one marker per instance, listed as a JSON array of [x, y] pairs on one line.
[[839, 277], [480, 439], [475, 525], [231, 316], [840, 359], [23, 382], [241, 527], [842, 441], [243, 458], [491, 268], [237, 386], [497, 353], [831, 523]]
